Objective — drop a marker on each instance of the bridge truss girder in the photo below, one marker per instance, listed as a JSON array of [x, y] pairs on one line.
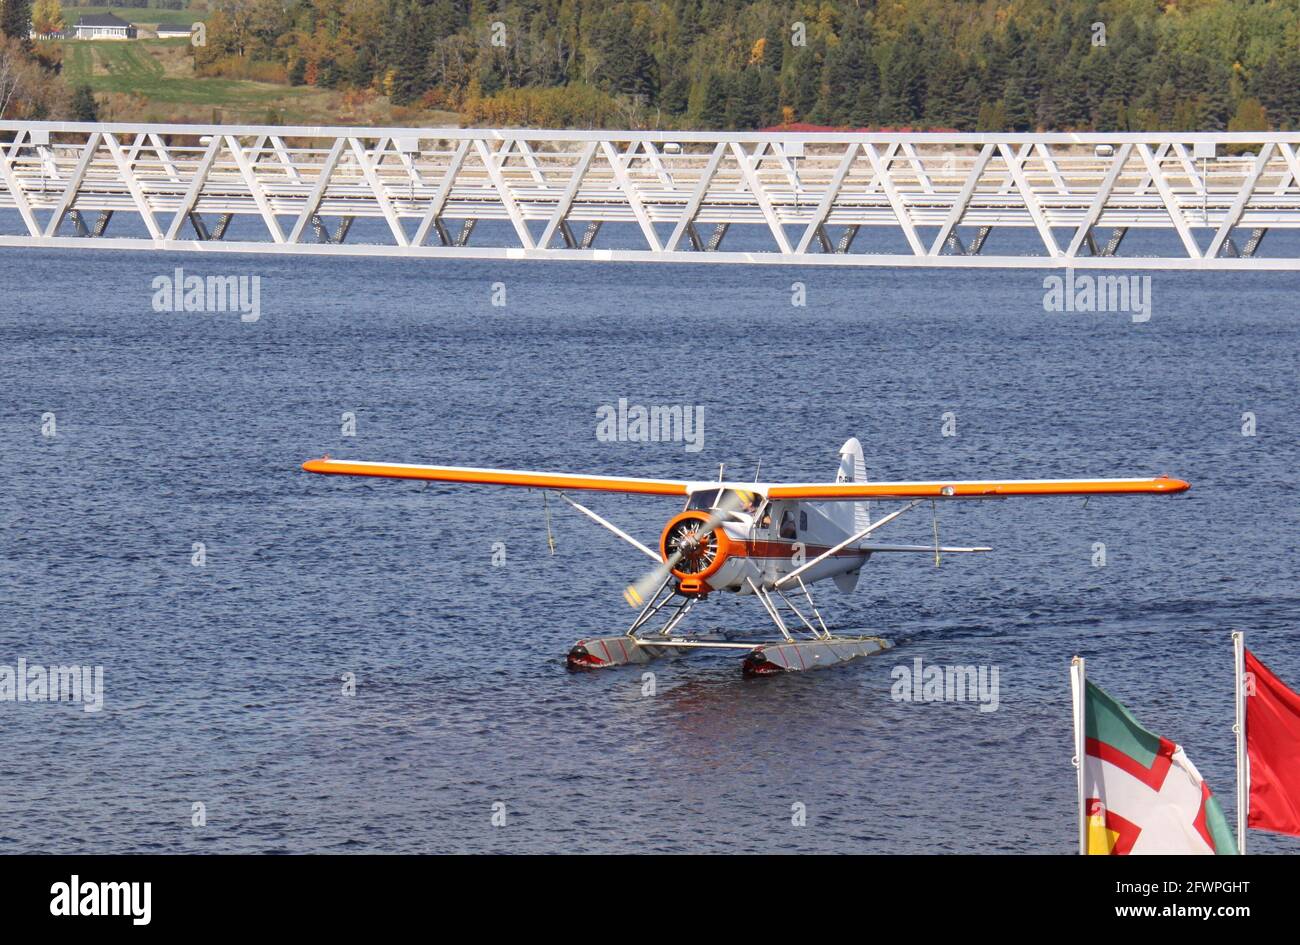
[[810, 198]]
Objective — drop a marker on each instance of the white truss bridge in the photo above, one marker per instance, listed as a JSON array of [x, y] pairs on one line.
[[1123, 201]]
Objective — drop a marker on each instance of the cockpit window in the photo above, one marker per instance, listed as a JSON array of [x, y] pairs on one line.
[[708, 499], [787, 524], [704, 499]]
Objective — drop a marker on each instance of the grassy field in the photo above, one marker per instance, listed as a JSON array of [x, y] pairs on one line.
[[141, 16], [153, 80], [161, 71]]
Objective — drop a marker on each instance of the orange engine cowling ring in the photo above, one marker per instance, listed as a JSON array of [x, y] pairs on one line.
[[703, 554]]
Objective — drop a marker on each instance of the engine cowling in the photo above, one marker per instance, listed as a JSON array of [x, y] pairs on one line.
[[703, 553]]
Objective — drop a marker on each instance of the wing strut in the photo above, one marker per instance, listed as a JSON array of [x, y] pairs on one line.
[[852, 539], [605, 523]]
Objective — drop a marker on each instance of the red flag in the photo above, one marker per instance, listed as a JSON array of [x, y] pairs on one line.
[[1273, 744]]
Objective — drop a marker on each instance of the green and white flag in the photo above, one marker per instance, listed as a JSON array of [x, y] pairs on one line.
[[1141, 794]]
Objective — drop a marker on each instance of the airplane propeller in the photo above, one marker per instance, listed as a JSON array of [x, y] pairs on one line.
[[732, 501]]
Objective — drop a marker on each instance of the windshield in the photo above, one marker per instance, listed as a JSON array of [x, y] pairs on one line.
[[704, 499], [707, 499]]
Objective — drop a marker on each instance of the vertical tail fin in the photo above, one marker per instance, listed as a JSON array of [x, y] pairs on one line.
[[852, 517], [853, 468]]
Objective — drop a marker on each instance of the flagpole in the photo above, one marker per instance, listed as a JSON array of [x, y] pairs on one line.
[[1239, 729], [1079, 696]]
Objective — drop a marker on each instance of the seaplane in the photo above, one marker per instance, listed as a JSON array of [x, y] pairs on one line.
[[765, 540]]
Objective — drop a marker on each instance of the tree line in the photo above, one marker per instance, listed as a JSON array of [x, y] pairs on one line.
[[958, 64], [989, 65]]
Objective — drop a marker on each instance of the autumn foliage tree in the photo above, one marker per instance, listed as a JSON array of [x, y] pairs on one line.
[[47, 17]]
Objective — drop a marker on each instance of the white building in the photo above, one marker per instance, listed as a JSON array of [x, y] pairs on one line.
[[173, 31], [103, 26]]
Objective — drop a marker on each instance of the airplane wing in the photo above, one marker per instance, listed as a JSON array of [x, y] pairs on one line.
[[974, 488], [498, 477]]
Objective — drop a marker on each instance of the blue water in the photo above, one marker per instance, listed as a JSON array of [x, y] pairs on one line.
[[223, 682]]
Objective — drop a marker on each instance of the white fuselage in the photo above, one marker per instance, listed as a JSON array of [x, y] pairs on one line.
[[782, 536]]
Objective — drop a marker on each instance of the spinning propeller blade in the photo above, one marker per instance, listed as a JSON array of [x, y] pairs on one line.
[[635, 594]]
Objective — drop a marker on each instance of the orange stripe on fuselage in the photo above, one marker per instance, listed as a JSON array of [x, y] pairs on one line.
[[494, 477], [785, 550]]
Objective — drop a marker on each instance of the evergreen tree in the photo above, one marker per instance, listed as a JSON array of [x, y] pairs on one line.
[[802, 84], [1016, 107], [944, 89], [714, 107], [1012, 56], [626, 64], [328, 74], [362, 71], [1266, 83], [746, 108], [774, 48], [1070, 96], [1166, 100], [1276, 85], [864, 113], [16, 18], [903, 85], [1216, 100], [675, 84], [965, 116], [769, 98], [83, 105], [410, 58], [994, 62], [1112, 114], [1046, 113], [1288, 104], [850, 73]]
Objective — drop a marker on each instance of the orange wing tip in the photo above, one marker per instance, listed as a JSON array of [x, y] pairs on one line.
[[1170, 484]]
